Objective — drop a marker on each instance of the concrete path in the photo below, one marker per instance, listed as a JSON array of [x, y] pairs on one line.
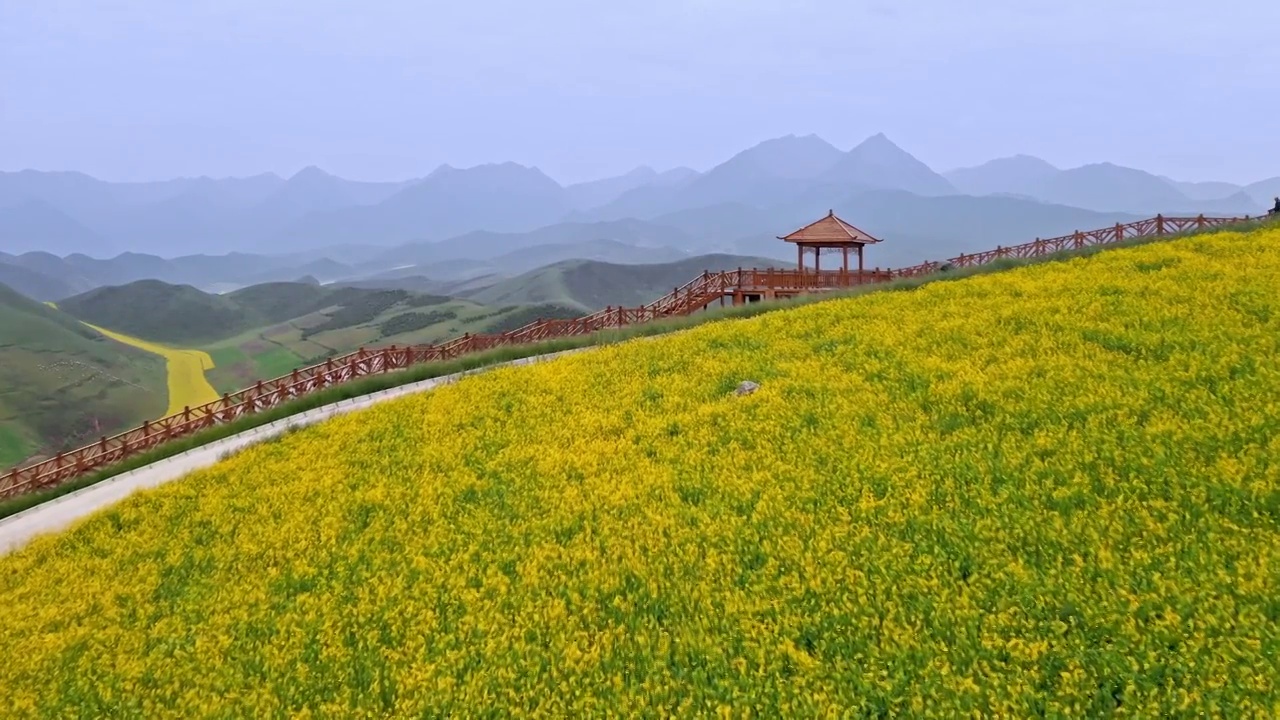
[[59, 513]]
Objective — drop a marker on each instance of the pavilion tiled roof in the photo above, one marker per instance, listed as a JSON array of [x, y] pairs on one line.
[[830, 229]]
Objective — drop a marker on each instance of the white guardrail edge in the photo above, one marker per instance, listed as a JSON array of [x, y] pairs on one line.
[[61, 512]]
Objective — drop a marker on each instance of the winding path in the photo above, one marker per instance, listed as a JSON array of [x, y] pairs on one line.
[[63, 512]]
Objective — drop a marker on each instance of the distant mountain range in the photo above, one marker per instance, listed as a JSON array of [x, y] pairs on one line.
[[916, 228], [58, 228], [1111, 188], [46, 277]]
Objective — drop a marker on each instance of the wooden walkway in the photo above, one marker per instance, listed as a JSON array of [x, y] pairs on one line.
[[734, 286]]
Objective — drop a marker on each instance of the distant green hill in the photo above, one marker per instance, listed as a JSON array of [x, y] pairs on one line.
[[279, 301], [183, 316], [33, 283], [588, 285], [155, 310], [62, 384]]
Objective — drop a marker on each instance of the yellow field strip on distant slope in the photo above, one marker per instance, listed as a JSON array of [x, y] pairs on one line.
[[186, 368]]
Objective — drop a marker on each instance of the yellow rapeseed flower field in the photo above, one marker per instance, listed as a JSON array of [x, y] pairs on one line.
[[187, 384], [1053, 491]]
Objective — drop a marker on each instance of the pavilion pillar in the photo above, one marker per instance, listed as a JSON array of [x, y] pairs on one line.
[[860, 263], [800, 258], [845, 256], [817, 261]]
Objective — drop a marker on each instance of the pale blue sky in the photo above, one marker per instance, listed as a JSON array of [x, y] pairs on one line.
[[388, 89]]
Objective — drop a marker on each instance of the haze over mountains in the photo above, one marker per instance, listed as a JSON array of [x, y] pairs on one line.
[[63, 233]]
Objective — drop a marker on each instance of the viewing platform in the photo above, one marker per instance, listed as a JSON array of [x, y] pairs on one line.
[[754, 285], [830, 236]]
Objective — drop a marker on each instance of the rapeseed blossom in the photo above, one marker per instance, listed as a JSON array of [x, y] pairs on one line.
[[1051, 491], [187, 384]]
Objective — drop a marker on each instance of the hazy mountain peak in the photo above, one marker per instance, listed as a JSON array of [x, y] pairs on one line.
[[676, 175], [594, 193], [879, 162], [641, 171], [881, 146], [788, 156], [1106, 186], [1016, 160], [310, 172], [1112, 170], [1015, 174], [791, 139]]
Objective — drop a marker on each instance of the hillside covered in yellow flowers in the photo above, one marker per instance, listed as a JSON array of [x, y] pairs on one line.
[[1054, 490]]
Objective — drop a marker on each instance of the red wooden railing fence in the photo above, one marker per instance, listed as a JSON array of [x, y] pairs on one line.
[[694, 295]]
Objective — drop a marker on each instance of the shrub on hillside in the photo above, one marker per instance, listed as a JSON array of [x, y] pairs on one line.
[[410, 321], [426, 300], [521, 316], [361, 308]]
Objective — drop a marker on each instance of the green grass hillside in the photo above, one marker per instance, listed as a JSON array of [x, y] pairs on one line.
[[62, 384], [589, 285]]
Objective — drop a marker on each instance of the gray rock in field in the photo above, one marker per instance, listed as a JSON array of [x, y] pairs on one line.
[[746, 387]]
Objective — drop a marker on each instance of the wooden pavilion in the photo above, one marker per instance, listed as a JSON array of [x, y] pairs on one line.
[[829, 233]]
